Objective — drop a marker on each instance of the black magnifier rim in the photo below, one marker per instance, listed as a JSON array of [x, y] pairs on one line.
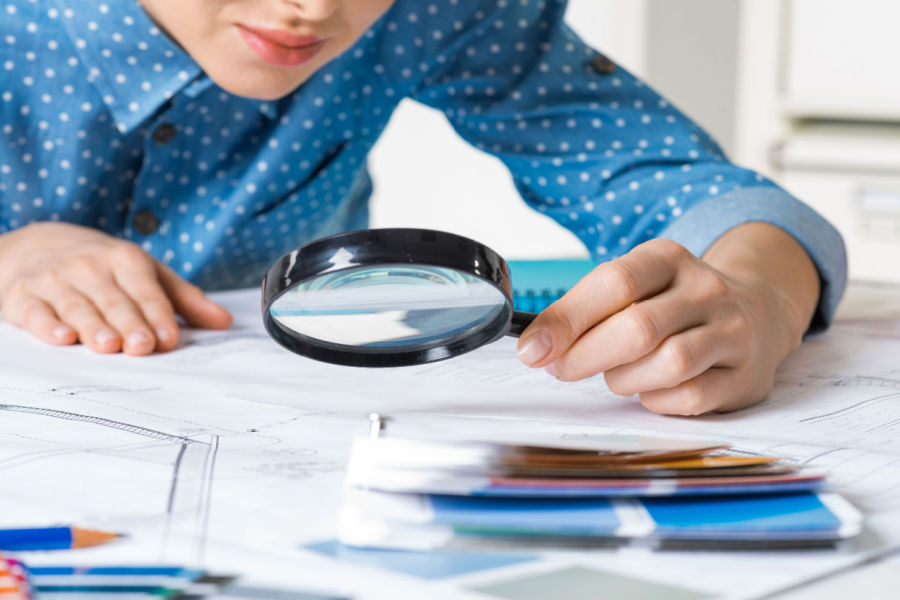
[[390, 246]]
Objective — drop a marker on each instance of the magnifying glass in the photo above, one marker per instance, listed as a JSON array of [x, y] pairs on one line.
[[389, 298]]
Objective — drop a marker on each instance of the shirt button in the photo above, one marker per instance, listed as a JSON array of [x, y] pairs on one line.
[[145, 222], [603, 65], [164, 134]]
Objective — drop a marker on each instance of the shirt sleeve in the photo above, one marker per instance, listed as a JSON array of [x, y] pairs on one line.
[[587, 143]]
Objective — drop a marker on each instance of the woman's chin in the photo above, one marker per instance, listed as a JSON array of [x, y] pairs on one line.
[[251, 83]]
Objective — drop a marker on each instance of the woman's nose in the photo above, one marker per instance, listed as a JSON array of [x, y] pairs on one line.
[[315, 10]]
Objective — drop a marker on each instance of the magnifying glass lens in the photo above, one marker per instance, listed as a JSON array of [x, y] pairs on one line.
[[389, 306], [389, 298]]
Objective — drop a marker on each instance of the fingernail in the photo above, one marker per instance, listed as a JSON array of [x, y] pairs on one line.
[[162, 334], [105, 335], [535, 348], [137, 338], [552, 370], [61, 332]]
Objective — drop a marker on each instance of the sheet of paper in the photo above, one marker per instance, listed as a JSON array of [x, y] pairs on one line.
[[230, 451]]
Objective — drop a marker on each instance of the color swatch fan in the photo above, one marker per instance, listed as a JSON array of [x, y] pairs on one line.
[[586, 490]]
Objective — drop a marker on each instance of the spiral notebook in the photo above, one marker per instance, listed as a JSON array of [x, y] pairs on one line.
[[539, 283]]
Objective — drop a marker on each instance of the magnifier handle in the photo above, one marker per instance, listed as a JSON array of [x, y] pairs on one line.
[[520, 320]]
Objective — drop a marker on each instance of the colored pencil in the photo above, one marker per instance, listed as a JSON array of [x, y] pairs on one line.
[[14, 584], [138, 570], [52, 538]]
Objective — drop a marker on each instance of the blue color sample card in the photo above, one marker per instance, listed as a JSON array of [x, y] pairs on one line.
[[584, 515], [425, 565], [794, 516], [776, 514]]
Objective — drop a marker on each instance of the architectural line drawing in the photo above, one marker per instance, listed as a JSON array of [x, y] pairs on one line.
[[867, 381], [850, 408], [204, 509], [170, 505], [191, 467], [60, 414]]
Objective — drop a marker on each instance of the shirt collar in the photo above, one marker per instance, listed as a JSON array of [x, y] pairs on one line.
[[134, 65]]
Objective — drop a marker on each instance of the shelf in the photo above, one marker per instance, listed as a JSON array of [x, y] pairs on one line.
[[856, 147], [836, 108]]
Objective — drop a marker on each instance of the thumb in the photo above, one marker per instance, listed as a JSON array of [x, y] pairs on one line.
[[190, 302]]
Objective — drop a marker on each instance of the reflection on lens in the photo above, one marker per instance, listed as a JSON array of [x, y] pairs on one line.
[[388, 306], [383, 275]]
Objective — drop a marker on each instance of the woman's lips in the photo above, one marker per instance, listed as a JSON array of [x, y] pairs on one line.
[[280, 47]]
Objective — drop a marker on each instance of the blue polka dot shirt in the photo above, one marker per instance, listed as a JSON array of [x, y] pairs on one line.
[[106, 122]]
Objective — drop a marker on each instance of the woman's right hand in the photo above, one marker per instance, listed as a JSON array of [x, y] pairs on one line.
[[66, 283]]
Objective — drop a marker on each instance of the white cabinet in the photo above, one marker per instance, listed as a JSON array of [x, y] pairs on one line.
[[851, 174], [843, 59], [820, 113]]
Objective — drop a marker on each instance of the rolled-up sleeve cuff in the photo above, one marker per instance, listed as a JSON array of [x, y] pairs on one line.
[[705, 222]]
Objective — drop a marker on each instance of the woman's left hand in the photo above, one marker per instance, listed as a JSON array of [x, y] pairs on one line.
[[684, 335]]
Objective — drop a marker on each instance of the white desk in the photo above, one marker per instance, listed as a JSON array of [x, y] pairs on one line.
[[229, 451]]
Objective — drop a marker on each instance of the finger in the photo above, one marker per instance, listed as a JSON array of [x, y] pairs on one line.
[[719, 388], [38, 318], [139, 281], [191, 303], [627, 336], [115, 307], [609, 288], [678, 359], [76, 310]]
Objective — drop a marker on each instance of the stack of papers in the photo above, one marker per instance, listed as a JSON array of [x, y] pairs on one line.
[[587, 490]]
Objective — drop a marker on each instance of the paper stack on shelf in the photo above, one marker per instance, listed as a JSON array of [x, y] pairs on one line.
[[588, 490]]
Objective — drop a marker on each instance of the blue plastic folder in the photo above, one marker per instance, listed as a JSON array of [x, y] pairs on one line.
[[539, 283]]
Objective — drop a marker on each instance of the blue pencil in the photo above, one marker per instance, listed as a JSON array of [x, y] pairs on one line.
[[52, 538], [159, 570], [64, 578], [149, 590]]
